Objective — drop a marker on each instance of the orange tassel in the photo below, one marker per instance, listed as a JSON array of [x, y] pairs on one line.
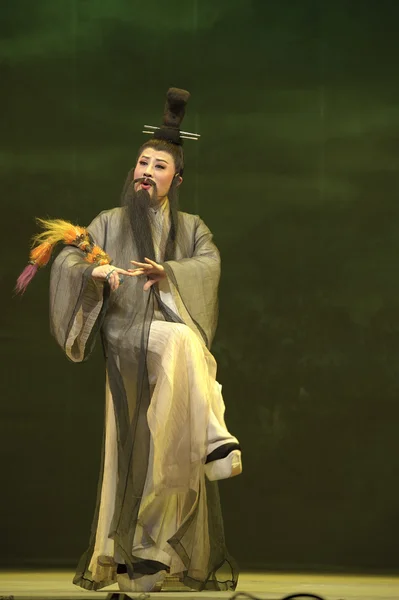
[[41, 254], [73, 234], [57, 230], [97, 255], [84, 245]]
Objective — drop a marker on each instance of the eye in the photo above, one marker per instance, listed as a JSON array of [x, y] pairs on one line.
[[142, 162], [160, 167]]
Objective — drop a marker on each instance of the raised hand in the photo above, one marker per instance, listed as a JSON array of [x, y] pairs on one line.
[[111, 274], [151, 269]]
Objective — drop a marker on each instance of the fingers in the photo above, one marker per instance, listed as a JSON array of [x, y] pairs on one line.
[[155, 267], [142, 269], [151, 262], [148, 284], [136, 272], [140, 264], [123, 271], [115, 276], [113, 280]]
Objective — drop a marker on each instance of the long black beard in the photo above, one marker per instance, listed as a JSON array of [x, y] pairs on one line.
[[137, 204], [173, 196]]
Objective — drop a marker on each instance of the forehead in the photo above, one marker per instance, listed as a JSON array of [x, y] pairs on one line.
[[153, 153]]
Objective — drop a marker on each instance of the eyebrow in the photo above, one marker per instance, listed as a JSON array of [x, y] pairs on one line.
[[158, 159]]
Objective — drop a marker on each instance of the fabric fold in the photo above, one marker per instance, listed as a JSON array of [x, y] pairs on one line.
[[153, 500]]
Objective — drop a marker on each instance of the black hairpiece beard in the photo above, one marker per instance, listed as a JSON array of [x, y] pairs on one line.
[[137, 204], [173, 196]]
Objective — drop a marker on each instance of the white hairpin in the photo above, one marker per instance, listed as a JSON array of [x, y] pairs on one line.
[[187, 135]]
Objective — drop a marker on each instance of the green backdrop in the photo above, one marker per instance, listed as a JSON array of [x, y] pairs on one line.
[[297, 175]]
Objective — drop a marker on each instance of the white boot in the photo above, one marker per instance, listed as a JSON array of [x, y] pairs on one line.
[[146, 583], [230, 466]]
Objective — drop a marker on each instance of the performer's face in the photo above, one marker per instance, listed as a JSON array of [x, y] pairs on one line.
[[159, 167]]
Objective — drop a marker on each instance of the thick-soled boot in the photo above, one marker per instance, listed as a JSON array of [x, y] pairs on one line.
[[224, 462], [146, 583]]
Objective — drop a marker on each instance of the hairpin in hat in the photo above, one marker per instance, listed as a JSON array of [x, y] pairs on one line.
[[175, 107]]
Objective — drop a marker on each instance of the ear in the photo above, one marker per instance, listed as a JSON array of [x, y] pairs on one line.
[[179, 179]]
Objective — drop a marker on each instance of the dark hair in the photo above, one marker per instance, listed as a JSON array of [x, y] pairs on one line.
[[174, 150]]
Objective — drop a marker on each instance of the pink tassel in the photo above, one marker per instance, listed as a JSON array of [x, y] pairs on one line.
[[25, 278]]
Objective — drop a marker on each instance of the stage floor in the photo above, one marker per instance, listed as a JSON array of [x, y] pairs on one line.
[[57, 585]]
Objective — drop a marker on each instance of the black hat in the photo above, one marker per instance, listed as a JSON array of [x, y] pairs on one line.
[[175, 108]]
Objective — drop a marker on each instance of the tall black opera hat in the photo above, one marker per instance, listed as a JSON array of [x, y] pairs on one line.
[[175, 108]]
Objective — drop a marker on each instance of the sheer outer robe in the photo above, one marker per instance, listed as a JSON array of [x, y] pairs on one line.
[[79, 308]]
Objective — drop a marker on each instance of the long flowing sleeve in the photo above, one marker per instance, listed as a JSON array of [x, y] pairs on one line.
[[76, 300], [194, 283]]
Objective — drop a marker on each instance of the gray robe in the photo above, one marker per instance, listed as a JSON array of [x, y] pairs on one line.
[[80, 308]]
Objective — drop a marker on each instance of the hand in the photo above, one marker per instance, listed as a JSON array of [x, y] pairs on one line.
[[110, 274], [151, 269]]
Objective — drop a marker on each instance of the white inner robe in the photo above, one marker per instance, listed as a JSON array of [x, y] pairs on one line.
[[186, 422]]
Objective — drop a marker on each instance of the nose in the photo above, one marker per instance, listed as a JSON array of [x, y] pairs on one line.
[[147, 171]]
